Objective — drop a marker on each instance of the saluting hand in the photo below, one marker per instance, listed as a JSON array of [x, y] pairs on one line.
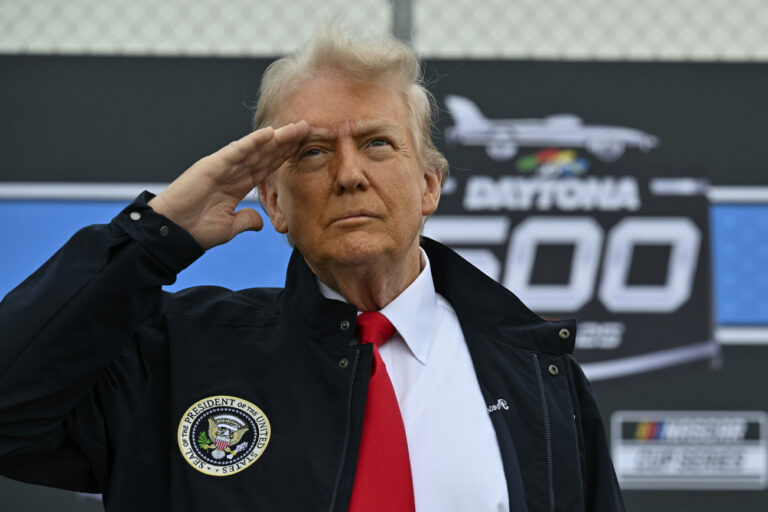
[[203, 199]]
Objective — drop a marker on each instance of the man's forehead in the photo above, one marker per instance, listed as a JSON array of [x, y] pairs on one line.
[[355, 127]]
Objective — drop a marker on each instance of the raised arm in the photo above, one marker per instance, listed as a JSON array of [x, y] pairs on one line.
[[76, 326]]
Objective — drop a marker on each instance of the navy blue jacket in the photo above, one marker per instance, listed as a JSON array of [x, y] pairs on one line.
[[98, 368]]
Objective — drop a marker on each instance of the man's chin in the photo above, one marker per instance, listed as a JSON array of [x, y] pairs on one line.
[[351, 249], [356, 253]]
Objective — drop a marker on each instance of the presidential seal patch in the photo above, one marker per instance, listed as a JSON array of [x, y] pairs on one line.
[[223, 435]]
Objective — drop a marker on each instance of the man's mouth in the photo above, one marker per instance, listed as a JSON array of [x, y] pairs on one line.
[[353, 215]]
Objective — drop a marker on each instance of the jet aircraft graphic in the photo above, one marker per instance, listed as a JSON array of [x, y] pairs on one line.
[[502, 137]]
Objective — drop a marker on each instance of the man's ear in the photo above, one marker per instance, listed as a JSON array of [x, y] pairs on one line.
[[268, 194], [431, 197]]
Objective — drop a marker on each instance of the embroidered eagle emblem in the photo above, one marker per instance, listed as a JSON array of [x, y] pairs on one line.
[[224, 432]]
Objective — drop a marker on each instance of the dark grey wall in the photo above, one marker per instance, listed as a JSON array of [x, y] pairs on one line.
[[146, 119]]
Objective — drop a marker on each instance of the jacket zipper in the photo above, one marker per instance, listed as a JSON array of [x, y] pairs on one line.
[[347, 433], [548, 433]]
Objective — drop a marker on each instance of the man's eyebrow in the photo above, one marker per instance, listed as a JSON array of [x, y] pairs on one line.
[[316, 134], [359, 129], [363, 128]]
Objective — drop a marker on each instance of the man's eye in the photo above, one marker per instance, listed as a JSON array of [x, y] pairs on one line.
[[311, 152], [380, 143]]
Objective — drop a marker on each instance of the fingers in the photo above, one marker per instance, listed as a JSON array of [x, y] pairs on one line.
[[293, 132], [237, 151], [284, 143], [264, 142], [246, 219]]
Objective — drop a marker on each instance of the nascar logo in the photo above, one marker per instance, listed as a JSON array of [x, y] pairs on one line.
[[690, 449]]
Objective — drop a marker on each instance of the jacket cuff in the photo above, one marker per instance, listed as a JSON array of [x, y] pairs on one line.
[[171, 244]]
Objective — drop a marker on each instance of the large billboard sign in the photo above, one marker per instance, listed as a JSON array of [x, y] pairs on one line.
[[569, 216]]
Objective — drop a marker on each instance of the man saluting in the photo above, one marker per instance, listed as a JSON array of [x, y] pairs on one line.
[[388, 374]]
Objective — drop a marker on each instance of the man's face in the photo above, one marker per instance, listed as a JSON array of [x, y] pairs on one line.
[[354, 193]]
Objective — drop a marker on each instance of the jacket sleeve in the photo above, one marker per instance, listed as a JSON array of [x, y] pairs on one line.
[[601, 488], [68, 335]]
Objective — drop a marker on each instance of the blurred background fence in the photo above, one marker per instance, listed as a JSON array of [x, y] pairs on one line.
[[680, 30]]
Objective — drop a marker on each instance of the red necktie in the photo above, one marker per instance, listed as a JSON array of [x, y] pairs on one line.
[[383, 479]]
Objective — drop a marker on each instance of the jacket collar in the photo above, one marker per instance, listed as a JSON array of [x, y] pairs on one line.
[[318, 318], [481, 304], [484, 305]]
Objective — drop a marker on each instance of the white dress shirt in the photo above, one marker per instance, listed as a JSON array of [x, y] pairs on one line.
[[454, 454]]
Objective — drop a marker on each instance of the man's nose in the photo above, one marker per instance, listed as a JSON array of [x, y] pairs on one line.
[[349, 168]]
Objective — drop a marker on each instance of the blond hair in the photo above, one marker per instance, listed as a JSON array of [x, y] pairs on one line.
[[365, 59]]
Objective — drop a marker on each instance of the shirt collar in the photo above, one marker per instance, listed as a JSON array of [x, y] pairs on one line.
[[413, 312]]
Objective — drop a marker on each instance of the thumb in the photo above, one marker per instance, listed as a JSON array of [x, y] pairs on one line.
[[246, 219]]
